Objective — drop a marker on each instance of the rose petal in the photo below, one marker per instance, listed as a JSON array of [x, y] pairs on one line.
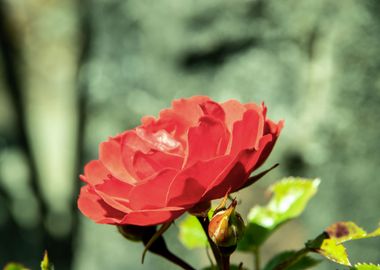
[[213, 109], [256, 158], [247, 132], [152, 193], [95, 172], [196, 179], [147, 164], [160, 140], [93, 207], [115, 193], [152, 217], [110, 156], [238, 170], [266, 148], [131, 143], [208, 140], [178, 119], [228, 183], [234, 111], [189, 108]]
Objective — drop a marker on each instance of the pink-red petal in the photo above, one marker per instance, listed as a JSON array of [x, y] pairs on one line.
[[93, 207], [95, 172], [151, 217], [213, 109], [208, 140], [115, 193], [147, 164], [111, 157], [247, 132], [152, 193], [234, 111], [196, 179]]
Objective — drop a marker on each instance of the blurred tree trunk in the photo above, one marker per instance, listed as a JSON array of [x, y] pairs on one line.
[[41, 52]]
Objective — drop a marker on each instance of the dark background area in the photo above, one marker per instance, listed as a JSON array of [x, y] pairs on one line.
[[73, 73]]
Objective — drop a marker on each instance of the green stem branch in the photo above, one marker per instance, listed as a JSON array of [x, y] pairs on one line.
[[256, 254]]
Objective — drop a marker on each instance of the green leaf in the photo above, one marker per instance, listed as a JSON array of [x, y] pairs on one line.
[[330, 243], [45, 263], [334, 252], [191, 233], [366, 266], [304, 263], [290, 197], [15, 266]]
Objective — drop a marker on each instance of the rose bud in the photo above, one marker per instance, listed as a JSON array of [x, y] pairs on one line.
[[226, 228]]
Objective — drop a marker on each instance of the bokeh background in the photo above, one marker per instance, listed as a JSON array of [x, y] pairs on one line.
[[73, 73]]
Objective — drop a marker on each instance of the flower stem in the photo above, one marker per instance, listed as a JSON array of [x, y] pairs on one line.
[[153, 242], [293, 259], [159, 247], [215, 250], [225, 262], [256, 254]]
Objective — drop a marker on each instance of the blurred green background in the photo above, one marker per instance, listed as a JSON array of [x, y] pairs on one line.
[[73, 73]]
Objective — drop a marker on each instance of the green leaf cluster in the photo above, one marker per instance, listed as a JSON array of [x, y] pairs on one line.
[[289, 199]]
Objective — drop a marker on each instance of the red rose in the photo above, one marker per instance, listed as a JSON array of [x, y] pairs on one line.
[[195, 152]]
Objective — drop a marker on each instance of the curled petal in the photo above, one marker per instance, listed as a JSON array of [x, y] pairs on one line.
[[234, 111], [247, 132], [115, 193], [93, 207], [213, 109], [208, 140], [95, 172], [196, 178], [177, 120], [146, 164], [111, 157], [152, 193], [152, 217]]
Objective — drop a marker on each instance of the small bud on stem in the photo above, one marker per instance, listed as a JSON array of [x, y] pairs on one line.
[[226, 228]]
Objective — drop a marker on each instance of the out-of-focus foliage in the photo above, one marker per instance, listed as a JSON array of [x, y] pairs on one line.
[[304, 263], [191, 233], [290, 197], [15, 266], [85, 70]]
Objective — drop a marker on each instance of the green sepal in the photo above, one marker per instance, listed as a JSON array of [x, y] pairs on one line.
[[45, 263]]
